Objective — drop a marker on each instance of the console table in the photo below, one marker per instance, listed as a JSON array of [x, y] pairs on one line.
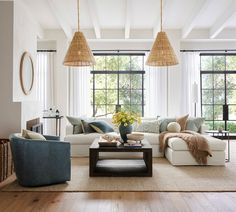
[[141, 167], [58, 123]]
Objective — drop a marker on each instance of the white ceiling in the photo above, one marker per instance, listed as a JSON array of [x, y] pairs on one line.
[[102, 15]]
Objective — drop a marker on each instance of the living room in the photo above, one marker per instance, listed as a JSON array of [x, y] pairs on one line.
[[117, 105]]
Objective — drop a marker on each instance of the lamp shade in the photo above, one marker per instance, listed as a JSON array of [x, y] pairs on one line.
[[79, 53], [162, 53]]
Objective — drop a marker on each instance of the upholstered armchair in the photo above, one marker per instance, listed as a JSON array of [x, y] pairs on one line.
[[39, 163]]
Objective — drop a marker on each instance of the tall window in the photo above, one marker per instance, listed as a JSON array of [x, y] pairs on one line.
[[118, 80], [218, 88]]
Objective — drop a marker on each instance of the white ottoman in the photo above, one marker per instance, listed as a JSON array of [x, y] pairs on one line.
[[178, 154]]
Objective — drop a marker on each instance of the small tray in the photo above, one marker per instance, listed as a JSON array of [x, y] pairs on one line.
[[107, 144]]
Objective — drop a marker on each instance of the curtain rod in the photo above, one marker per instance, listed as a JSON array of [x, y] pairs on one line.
[[126, 50], [209, 50], [44, 50]]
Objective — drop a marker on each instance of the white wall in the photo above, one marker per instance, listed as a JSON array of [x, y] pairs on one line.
[[10, 113]]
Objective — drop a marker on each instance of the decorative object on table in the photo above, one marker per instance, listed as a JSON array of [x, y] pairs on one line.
[[162, 54], [79, 53], [124, 121], [135, 137], [220, 129], [57, 113], [6, 163], [26, 73], [108, 140]]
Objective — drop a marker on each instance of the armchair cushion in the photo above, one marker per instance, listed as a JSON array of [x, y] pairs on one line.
[[32, 135]]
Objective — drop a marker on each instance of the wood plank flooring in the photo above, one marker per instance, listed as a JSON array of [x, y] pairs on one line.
[[119, 201]]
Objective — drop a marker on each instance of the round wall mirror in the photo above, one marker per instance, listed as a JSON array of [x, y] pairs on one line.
[[26, 73]]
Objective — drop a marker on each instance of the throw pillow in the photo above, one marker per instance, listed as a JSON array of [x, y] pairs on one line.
[[182, 122], [164, 122], [86, 127], [173, 127], [32, 135], [101, 126], [148, 126], [77, 124], [195, 124]]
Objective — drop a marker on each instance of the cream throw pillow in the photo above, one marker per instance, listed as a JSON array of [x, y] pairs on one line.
[[32, 135], [173, 127]]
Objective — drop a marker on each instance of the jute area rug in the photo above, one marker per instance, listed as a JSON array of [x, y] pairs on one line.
[[165, 178]]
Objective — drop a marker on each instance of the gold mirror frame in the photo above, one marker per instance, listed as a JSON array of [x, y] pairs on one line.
[[25, 90]]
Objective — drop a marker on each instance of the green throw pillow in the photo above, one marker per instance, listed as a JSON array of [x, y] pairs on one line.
[[194, 124], [164, 122], [76, 123], [101, 126]]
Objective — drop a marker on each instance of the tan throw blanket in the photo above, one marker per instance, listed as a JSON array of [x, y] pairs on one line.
[[196, 143]]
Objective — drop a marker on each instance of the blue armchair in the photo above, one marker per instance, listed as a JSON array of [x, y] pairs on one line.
[[39, 163]]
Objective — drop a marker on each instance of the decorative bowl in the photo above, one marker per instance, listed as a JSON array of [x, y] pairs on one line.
[[135, 136]]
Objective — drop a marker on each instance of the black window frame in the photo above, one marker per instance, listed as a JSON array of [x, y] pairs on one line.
[[118, 73]]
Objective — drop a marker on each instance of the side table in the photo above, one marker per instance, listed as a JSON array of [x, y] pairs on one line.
[[58, 123], [220, 135]]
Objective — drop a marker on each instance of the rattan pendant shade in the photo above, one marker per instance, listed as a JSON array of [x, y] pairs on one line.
[[162, 53], [79, 53]]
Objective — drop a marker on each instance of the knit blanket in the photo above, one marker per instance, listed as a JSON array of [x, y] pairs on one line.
[[197, 144]]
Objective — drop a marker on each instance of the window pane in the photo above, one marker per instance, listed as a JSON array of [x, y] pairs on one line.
[[218, 112], [124, 96], [206, 63], [136, 96], [136, 109], [209, 124], [124, 63], [219, 124], [231, 63], [207, 81], [100, 81], [207, 112], [100, 96], [111, 96], [100, 63], [231, 126], [219, 97], [100, 110], [136, 62], [219, 81], [112, 63], [207, 96], [136, 81], [231, 96], [231, 81], [111, 109], [126, 107], [112, 81], [232, 112], [124, 81], [219, 63]]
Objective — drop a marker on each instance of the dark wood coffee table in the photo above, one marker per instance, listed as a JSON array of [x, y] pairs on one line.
[[132, 167]]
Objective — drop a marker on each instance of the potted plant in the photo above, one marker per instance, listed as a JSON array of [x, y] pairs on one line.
[[125, 120]]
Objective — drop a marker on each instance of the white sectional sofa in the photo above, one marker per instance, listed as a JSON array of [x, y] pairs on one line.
[[177, 151]]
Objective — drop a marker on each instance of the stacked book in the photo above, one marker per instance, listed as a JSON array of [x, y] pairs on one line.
[[133, 144], [6, 163]]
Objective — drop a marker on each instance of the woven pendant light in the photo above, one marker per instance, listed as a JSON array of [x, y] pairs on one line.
[[162, 53], [79, 53]]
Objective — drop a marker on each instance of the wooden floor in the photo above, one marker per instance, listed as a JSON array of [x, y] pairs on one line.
[[119, 201]]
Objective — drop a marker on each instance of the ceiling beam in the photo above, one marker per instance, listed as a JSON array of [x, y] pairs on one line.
[[196, 13], [157, 24], [221, 22], [127, 19], [94, 18], [54, 6]]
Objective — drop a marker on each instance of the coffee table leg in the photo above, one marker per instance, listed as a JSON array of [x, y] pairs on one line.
[[93, 158], [147, 157]]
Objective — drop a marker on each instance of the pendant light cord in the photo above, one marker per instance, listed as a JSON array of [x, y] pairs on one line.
[[161, 15], [78, 13]]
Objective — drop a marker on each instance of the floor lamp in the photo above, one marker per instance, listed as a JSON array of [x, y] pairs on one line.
[[195, 97]]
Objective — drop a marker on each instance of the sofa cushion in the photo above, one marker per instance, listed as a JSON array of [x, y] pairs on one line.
[[32, 135], [101, 126], [173, 127], [194, 124], [82, 139], [152, 138], [76, 123], [182, 121], [163, 122], [86, 127], [179, 144], [148, 126]]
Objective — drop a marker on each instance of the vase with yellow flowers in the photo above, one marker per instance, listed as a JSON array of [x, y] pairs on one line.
[[125, 120]]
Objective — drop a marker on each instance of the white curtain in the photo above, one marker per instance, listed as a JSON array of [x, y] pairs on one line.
[[79, 102], [45, 72], [190, 75], [155, 91]]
